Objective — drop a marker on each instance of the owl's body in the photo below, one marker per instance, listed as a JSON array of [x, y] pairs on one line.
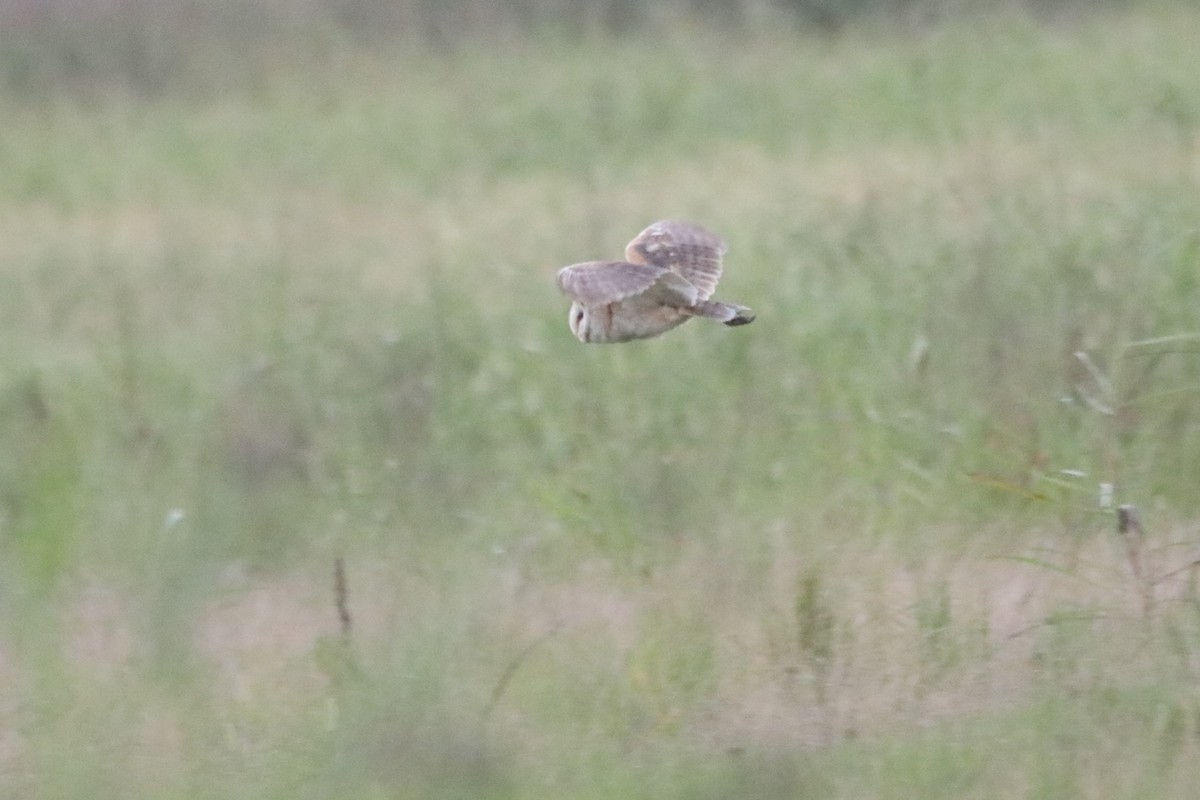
[[671, 271]]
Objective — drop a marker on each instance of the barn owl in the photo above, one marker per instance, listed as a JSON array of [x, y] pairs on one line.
[[669, 272]]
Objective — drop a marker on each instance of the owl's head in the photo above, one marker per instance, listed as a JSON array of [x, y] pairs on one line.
[[578, 320]]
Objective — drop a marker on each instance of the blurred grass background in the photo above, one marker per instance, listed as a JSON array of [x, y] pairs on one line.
[[277, 289]]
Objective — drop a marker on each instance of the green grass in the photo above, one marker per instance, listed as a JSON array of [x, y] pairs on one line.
[[854, 550]]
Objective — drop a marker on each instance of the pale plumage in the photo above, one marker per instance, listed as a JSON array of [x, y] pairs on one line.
[[670, 272]]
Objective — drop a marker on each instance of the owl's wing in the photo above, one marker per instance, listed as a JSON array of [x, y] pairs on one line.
[[683, 247], [602, 282]]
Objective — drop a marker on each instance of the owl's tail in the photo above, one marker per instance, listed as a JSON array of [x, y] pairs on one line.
[[723, 312]]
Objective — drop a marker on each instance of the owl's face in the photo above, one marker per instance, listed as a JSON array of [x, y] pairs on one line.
[[578, 320]]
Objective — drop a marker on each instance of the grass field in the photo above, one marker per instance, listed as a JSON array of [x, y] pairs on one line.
[[863, 548]]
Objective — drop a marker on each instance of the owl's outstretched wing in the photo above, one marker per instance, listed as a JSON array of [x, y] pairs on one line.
[[683, 247], [602, 282]]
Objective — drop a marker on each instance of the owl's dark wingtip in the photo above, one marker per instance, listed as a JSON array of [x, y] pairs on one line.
[[744, 316]]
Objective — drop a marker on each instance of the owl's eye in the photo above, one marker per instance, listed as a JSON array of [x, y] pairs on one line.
[[578, 316]]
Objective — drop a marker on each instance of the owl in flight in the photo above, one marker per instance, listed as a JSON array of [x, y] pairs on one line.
[[669, 272]]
